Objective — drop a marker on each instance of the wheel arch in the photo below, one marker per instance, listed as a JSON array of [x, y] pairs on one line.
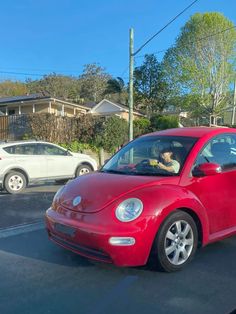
[[84, 163], [197, 221], [17, 170]]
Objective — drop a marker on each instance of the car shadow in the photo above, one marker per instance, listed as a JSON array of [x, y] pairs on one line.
[[36, 245]]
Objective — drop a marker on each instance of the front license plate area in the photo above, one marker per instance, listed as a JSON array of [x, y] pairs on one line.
[[67, 230]]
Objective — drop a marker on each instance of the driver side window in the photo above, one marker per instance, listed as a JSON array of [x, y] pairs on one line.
[[219, 150]]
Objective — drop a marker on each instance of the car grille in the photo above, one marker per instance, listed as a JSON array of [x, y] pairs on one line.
[[81, 250]]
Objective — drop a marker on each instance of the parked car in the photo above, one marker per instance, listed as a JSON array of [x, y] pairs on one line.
[[141, 206], [25, 162]]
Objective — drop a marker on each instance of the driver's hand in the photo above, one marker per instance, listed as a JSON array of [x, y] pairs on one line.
[[153, 162]]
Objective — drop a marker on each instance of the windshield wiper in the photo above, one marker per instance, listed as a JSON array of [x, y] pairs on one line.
[[112, 171], [155, 174]]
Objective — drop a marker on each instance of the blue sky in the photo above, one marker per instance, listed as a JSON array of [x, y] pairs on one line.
[[44, 36]]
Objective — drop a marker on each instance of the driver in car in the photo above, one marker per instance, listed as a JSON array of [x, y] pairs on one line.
[[168, 164]]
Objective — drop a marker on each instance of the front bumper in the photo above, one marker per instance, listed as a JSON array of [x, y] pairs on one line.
[[89, 235]]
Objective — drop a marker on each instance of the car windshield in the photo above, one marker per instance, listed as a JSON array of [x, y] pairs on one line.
[[151, 155]]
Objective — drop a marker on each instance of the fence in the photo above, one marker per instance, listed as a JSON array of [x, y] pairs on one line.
[[13, 127]]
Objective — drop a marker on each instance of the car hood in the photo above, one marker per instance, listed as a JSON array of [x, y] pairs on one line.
[[83, 156], [99, 190]]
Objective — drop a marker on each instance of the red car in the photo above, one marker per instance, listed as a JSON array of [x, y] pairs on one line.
[[162, 195]]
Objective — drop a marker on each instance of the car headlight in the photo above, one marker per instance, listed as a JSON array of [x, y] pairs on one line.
[[129, 209], [57, 196]]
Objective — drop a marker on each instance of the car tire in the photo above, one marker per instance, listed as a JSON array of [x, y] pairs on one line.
[[15, 182], [175, 243], [83, 169]]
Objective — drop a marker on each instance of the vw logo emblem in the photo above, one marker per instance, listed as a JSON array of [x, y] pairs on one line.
[[76, 200]]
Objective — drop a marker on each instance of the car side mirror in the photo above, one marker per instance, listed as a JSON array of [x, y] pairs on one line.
[[206, 169]]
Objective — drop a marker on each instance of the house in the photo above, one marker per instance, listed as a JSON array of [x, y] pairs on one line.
[[36, 103], [110, 108], [14, 112]]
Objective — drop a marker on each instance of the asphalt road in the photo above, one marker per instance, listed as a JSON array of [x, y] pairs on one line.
[[26, 207], [36, 276]]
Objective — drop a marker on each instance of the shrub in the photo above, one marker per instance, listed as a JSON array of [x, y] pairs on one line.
[[112, 133], [161, 122], [141, 126]]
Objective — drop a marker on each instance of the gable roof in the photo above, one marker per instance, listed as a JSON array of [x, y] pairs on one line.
[[120, 108], [89, 104]]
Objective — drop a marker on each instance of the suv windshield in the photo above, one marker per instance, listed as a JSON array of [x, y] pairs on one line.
[[151, 155]]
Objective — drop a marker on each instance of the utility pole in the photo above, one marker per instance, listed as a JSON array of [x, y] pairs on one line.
[[131, 82], [131, 64], [234, 104]]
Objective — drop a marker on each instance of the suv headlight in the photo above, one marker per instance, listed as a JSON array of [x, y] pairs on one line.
[[129, 209]]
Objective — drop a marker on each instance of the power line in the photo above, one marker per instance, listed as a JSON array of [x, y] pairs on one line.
[[214, 34], [164, 27], [191, 42], [44, 74], [157, 52], [154, 53], [21, 73]]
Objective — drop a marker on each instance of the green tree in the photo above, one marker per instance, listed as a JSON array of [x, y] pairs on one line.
[[115, 86], [12, 88], [151, 90], [116, 90], [93, 82], [201, 61], [55, 85]]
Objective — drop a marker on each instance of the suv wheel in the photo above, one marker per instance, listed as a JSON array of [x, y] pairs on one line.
[[83, 169], [14, 182]]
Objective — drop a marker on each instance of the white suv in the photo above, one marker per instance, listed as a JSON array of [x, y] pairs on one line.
[[25, 162]]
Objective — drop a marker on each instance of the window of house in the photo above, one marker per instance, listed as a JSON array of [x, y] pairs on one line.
[[11, 112]]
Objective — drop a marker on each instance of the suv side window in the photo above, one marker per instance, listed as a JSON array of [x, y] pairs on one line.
[[22, 149], [221, 150], [46, 149], [10, 149]]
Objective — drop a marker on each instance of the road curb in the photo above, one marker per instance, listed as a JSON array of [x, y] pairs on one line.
[[21, 229]]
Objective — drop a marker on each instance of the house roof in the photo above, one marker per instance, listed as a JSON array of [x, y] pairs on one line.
[[6, 100], [38, 97], [90, 104], [119, 106]]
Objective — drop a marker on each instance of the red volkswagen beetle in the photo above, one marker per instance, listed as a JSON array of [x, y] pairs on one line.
[[162, 195]]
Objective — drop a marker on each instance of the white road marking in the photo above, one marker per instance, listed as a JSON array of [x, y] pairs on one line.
[[21, 229]]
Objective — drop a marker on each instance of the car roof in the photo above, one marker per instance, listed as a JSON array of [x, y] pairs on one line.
[[196, 132], [10, 143]]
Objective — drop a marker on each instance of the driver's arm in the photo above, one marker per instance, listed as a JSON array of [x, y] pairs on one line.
[[156, 163], [172, 168]]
